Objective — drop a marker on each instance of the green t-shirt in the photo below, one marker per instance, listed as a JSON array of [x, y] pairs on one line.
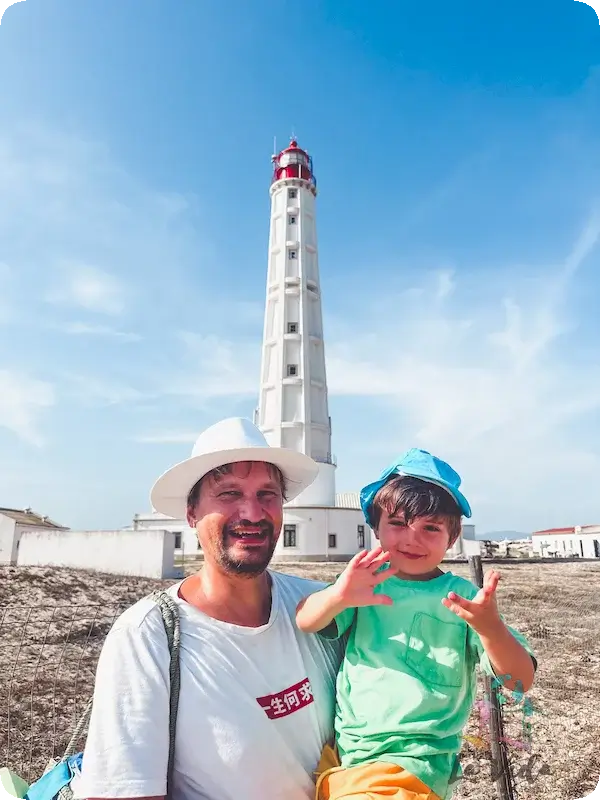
[[407, 682]]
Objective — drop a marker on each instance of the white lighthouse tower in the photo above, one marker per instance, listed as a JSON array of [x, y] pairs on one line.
[[293, 408]]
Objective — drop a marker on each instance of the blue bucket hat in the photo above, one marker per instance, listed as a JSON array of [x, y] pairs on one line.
[[418, 464]]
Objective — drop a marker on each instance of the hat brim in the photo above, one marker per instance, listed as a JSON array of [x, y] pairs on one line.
[[170, 492]]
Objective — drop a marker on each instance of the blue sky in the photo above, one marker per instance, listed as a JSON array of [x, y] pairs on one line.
[[457, 150]]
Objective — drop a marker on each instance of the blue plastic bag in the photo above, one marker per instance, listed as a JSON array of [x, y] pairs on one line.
[[55, 779]]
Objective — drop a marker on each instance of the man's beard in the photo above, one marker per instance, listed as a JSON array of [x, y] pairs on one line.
[[251, 564]]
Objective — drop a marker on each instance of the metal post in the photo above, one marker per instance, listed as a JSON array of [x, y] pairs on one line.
[[501, 770]]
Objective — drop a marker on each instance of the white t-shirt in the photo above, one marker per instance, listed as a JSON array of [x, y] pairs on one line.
[[255, 708]]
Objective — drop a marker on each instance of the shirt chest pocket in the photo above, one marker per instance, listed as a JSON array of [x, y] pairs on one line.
[[436, 650]]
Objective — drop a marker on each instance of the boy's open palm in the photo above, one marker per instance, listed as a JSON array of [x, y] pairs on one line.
[[481, 613], [356, 585]]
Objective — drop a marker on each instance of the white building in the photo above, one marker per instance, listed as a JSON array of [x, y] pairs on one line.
[[466, 545], [15, 522], [581, 541], [186, 539], [28, 539]]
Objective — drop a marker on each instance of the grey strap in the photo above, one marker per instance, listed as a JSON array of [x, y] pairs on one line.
[[71, 748], [170, 617]]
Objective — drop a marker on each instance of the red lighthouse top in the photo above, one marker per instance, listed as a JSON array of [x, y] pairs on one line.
[[293, 162]]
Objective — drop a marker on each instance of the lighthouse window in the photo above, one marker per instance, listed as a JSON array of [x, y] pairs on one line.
[[292, 194], [333, 540], [293, 254], [289, 536], [292, 327], [292, 220], [292, 369]]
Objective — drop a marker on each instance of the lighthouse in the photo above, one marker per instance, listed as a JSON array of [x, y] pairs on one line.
[[319, 524], [293, 405], [293, 409]]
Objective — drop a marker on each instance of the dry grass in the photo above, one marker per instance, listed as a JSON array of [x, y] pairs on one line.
[[52, 624]]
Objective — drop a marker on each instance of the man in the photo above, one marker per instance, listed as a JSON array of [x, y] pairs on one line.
[[257, 696]]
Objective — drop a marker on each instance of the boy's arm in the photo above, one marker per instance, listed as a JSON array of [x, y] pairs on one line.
[[505, 654], [353, 588], [508, 657], [318, 610]]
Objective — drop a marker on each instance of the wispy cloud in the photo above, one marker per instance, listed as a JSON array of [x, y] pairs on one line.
[[5, 294], [91, 390], [23, 400], [102, 331], [487, 383], [103, 231], [445, 284], [212, 367], [90, 288], [529, 332], [94, 247], [168, 437]]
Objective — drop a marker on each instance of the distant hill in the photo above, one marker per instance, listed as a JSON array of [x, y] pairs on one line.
[[498, 536]]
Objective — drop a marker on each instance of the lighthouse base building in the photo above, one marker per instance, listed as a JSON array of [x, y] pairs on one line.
[[308, 533], [323, 533]]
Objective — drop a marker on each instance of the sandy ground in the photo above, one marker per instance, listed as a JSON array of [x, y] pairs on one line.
[[52, 624]]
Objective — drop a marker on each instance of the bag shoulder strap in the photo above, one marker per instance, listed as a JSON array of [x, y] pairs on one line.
[[170, 617]]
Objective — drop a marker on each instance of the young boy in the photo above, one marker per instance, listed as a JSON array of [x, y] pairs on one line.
[[414, 636]]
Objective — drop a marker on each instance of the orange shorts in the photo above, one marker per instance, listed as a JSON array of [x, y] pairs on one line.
[[373, 781]]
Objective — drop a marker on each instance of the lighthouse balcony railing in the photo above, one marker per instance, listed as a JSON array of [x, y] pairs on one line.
[[328, 458]]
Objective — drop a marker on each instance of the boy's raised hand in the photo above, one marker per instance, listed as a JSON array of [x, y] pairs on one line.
[[481, 613], [355, 586]]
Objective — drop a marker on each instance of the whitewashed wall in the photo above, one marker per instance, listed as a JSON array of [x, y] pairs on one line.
[[8, 540], [148, 553], [566, 545], [156, 521], [321, 492], [313, 526]]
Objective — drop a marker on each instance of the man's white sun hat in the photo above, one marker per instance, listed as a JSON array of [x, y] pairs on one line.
[[228, 441]]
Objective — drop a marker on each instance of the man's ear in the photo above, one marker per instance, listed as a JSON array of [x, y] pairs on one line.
[[191, 519]]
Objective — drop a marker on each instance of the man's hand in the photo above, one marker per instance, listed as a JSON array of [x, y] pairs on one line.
[[355, 586], [481, 613]]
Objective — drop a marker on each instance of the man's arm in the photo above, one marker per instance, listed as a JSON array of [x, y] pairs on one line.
[[127, 749], [158, 797]]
